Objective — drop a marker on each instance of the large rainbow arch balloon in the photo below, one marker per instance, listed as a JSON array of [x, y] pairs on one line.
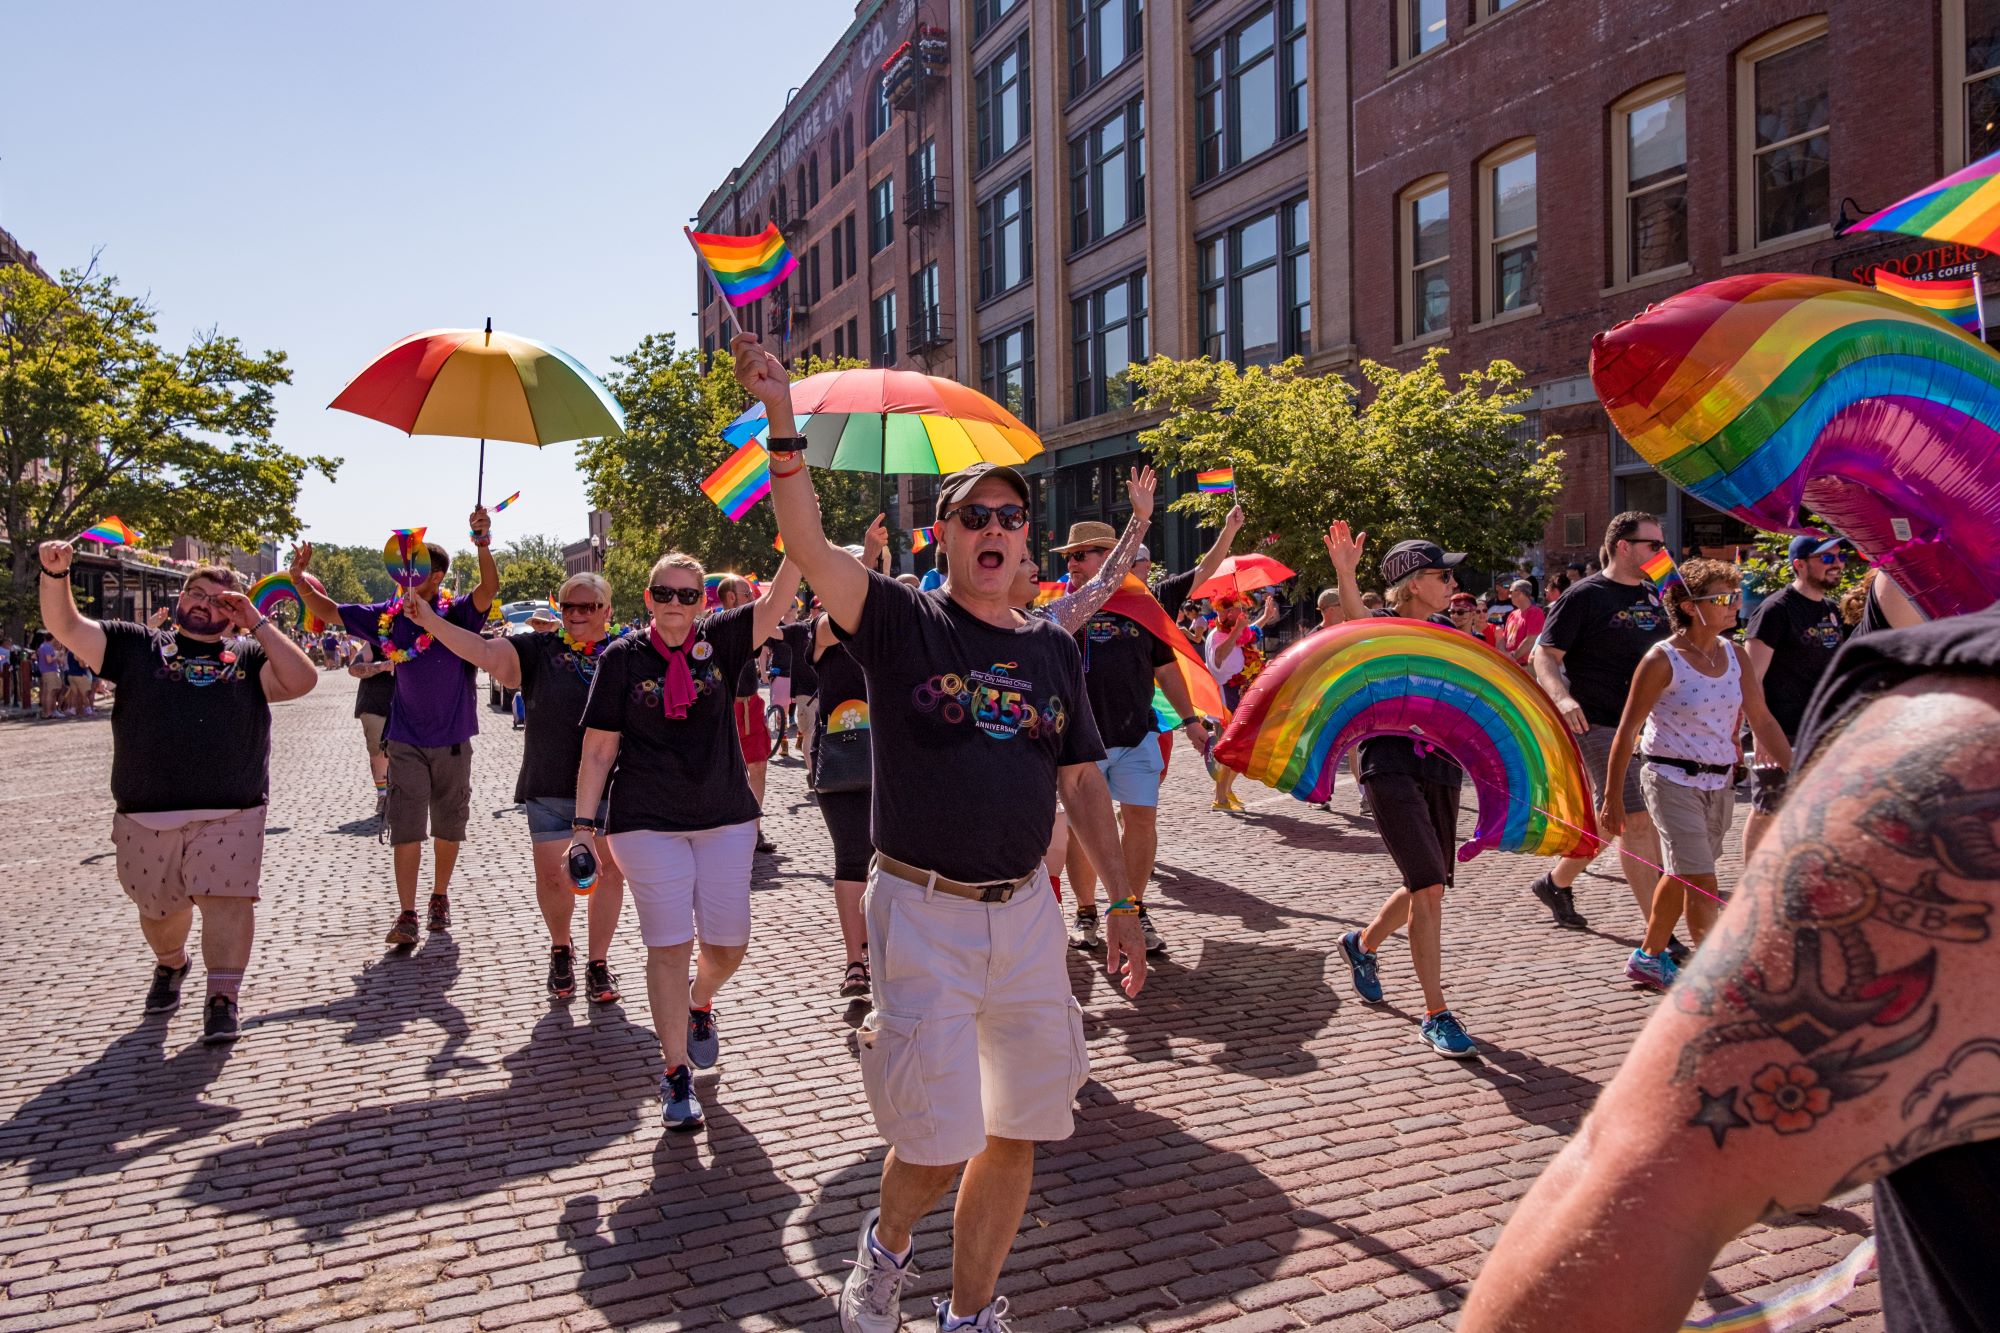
[[266, 593], [1765, 394], [1393, 677]]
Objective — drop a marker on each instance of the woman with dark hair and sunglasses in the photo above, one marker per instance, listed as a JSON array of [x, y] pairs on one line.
[[553, 671], [659, 734], [1685, 712]]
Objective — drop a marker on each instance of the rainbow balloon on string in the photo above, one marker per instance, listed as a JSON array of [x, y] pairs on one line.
[[269, 592], [1391, 677], [1767, 395]]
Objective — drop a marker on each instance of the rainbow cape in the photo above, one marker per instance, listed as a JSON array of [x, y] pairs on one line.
[[1217, 481], [111, 531], [1953, 300], [743, 479], [745, 267], [1393, 677], [1136, 603]]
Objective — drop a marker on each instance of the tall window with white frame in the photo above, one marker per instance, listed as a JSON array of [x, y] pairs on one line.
[[1426, 260], [1006, 238], [1000, 103], [1977, 105], [880, 113], [881, 214], [1254, 284], [926, 314], [1420, 27], [1103, 34], [1107, 175], [1109, 331], [882, 322], [1007, 371], [1649, 181], [1783, 137], [1250, 88], [1510, 274]]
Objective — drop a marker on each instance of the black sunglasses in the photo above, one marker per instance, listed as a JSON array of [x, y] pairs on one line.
[[581, 608], [685, 596], [1073, 556], [1647, 541], [1012, 517]]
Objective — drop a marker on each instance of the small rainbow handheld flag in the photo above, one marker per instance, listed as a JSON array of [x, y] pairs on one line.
[[779, 544], [1660, 569], [742, 480], [745, 267], [111, 531], [1953, 300], [923, 539], [1215, 482], [504, 503]]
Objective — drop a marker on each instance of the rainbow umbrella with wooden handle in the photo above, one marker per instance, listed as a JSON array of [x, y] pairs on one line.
[[480, 385]]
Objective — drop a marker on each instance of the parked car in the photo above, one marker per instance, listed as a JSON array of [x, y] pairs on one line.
[[512, 620]]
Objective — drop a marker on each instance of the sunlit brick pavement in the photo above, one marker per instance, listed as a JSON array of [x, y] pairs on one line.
[[426, 1140]]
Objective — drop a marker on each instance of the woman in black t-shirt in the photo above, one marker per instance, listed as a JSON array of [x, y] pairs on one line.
[[371, 705], [659, 729]]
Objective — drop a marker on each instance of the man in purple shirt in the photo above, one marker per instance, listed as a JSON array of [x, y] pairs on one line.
[[431, 721]]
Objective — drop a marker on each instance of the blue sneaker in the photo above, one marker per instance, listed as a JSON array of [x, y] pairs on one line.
[[1653, 971], [1444, 1034], [703, 1044], [680, 1109], [1366, 984]]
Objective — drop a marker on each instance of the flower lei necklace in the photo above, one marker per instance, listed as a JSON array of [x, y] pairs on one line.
[[388, 618], [586, 653]]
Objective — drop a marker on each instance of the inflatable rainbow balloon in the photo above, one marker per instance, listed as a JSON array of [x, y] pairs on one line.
[[1392, 677], [268, 592], [1767, 394]]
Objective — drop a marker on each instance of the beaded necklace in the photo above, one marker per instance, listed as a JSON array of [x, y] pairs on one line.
[[586, 656], [388, 618]]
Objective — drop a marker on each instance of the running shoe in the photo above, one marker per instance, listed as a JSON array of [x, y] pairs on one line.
[[1443, 1033], [703, 1044], [1561, 902], [1677, 951], [404, 931], [993, 1319], [871, 1300], [164, 996], [218, 1021], [1155, 946], [1366, 983], [562, 971], [440, 913], [680, 1109], [855, 985], [1655, 972], [598, 983], [1089, 931]]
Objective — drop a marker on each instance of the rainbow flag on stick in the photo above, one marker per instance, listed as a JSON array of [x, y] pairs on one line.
[[1660, 569], [1953, 300], [504, 503], [743, 480], [111, 531], [923, 539], [1217, 481], [744, 267], [779, 544]]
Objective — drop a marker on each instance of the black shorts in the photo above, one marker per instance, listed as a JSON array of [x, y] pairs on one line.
[[1418, 821], [846, 816]]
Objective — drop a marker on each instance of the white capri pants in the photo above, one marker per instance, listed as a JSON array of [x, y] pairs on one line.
[[688, 885]]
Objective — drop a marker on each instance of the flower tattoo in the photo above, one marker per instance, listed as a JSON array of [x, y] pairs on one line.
[[1788, 1098]]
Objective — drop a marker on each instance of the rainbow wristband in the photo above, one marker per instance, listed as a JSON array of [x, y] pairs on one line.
[[1123, 905]]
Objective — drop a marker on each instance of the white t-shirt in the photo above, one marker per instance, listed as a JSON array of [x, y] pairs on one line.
[[1232, 661]]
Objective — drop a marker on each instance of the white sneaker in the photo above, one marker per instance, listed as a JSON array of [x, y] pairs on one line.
[[993, 1319], [871, 1302]]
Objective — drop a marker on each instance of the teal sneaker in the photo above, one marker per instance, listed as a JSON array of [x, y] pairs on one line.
[[1444, 1034], [1653, 971], [1366, 984]]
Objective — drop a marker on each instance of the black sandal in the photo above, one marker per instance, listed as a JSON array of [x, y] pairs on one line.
[[856, 984]]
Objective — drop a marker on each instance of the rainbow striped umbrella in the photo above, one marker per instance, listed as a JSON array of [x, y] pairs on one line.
[[482, 385], [899, 421], [1963, 208]]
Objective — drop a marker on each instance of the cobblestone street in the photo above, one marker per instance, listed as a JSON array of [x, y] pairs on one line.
[[426, 1140]]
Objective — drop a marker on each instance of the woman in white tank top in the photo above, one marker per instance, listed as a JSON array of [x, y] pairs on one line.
[[1685, 710]]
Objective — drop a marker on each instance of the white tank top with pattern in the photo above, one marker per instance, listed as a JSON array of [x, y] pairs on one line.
[[1696, 718]]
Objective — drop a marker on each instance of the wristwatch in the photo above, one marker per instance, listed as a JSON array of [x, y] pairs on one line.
[[595, 826], [785, 444]]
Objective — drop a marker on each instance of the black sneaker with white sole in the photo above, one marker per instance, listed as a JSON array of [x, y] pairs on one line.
[[164, 996], [218, 1021], [1154, 944], [1089, 931], [599, 983], [1561, 902], [562, 971]]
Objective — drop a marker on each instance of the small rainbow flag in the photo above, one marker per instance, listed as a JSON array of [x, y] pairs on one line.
[[1953, 300], [745, 267], [111, 531], [1217, 481], [1660, 569], [778, 545], [923, 539], [504, 503], [742, 480]]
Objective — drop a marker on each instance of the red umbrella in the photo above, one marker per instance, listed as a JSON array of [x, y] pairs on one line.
[[1241, 574]]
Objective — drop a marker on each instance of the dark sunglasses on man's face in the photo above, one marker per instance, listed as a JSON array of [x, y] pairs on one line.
[[581, 608], [1072, 557], [1656, 544], [1832, 558], [685, 596], [1012, 517]]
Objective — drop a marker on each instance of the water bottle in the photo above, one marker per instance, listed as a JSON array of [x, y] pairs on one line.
[[582, 868]]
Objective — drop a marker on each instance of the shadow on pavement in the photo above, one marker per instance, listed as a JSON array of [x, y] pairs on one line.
[[1537, 1093], [393, 992], [131, 1103], [575, 1088], [1215, 897]]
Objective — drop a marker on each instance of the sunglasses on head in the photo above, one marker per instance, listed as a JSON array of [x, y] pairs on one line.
[[1012, 517], [581, 608], [685, 596]]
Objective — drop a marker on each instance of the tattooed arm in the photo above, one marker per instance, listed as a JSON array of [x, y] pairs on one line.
[[1835, 1026]]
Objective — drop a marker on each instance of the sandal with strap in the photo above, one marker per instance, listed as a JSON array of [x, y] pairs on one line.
[[856, 984]]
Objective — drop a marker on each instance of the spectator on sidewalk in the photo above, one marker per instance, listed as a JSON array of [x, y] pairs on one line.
[[1792, 641], [190, 768], [50, 659], [1523, 626]]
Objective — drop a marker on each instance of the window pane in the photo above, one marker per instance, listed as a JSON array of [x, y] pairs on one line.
[[1433, 301], [1107, 50], [1255, 102], [1258, 294], [1657, 225], [1656, 141], [1791, 92], [1515, 282], [1255, 37], [1430, 228], [1426, 19], [1514, 195], [1109, 190], [1114, 306], [1792, 188], [1259, 242], [1982, 118], [1982, 35]]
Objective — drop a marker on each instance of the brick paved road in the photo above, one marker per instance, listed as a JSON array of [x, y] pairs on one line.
[[425, 1140]]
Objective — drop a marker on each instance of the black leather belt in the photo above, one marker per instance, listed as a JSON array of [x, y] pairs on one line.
[[1687, 765]]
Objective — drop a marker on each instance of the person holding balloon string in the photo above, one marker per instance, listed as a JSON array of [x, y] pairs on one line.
[[1684, 714], [553, 671]]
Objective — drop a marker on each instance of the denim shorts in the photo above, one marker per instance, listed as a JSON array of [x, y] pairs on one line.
[[550, 817]]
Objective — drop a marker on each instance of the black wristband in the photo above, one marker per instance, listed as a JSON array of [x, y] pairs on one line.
[[593, 825], [785, 444], [48, 573]]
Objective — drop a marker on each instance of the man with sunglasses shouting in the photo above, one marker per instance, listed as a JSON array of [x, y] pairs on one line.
[[978, 713], [190, 767], [1591, 646], [553, 670]]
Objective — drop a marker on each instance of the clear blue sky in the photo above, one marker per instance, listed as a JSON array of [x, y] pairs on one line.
[[327, 178]]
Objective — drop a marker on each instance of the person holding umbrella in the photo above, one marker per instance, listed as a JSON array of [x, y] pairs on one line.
[[431, 724], [1234, 659]]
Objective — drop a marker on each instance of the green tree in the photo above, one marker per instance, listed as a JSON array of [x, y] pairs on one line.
[[649, 477], [1421, 458], [535, 578], [97, 418], [334, 568], [538, 546]]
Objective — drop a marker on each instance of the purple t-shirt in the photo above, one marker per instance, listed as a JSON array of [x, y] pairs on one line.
[[435, 703]]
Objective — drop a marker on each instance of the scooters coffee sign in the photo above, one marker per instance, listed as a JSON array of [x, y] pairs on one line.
[[1934, 262]]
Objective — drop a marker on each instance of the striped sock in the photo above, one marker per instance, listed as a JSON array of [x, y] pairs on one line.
[[224, 981]]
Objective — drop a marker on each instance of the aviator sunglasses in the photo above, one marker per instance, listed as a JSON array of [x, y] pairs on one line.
[[1012, 517], [685, 596]]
